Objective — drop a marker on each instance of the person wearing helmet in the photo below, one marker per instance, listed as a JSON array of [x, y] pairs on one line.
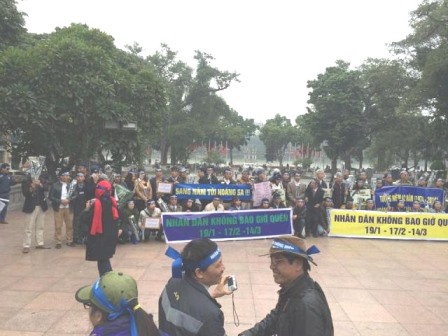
[[113, 306]]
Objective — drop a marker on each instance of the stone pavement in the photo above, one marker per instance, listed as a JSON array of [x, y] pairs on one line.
[[374, 287]]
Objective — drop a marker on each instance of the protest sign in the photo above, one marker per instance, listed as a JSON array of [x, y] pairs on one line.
[[388, 197], [262, 190], [391, 225], [208, 191], [227, 225]]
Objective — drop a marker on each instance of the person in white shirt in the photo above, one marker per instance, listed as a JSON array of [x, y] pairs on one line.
[[215, 205], [60, 201], [150, 212]]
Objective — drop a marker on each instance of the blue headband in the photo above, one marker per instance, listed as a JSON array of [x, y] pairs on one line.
[[116, 312], [178, 264], [285, 246]]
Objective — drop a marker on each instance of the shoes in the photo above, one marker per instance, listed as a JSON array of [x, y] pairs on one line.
[[3, 222], [25, 250], [71, 244], [160, 239], [58, 246], [42, 247]]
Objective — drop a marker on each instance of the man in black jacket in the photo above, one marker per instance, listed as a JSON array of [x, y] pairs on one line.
[[302, 309], [35, 206], [186, 307]]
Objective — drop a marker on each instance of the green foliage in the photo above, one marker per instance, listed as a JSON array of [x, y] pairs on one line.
[[214, 157], [276, 134], [195, 112], [63, 89], [425, 50], [12, 24], [337, 111], [437, 165], [304, 162]]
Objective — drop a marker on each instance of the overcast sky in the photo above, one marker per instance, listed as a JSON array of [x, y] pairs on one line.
[[276, 46]]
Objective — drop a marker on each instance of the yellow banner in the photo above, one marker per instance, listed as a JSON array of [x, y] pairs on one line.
[[391, 225]]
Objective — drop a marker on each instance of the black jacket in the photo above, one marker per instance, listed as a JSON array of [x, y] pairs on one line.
[[212, 179], [186, 309], [55, 194], [301, 310], [100, 246], [33, 197], [338, 194], [78, 200], [313, 199]]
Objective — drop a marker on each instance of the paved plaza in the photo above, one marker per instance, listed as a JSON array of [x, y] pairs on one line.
[[374, 287]]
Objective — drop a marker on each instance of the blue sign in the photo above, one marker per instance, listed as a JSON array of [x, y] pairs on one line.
[[388, 197], [208, 191], [226, 225]]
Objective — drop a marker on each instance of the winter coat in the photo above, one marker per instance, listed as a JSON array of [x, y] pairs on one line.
[[101, 246], [301, 310]]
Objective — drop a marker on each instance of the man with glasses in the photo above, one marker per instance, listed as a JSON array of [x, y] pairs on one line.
[[6, 182], [302, 308]]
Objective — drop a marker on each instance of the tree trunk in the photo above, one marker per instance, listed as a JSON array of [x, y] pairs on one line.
[[406, 160], [348, 161], [163, 153], [231, 156], [334, 165], [173, 155], [381, 163], [361, 159]]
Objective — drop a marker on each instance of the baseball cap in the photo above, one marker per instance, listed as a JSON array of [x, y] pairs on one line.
[[111, 293], [79, 174], [150, 201], [293, 245]]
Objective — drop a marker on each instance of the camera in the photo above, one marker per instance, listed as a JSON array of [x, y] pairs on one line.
[[231, 283]]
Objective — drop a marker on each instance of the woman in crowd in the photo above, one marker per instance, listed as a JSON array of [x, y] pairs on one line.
[[437, 207], [100, 216], [142, 191]]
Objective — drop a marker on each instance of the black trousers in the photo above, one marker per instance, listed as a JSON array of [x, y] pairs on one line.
[[104, 266]]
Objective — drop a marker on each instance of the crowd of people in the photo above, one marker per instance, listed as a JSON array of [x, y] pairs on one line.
[[140, 201], [101, 210]]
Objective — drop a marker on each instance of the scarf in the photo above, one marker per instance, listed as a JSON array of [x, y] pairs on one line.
[[103, 189]]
